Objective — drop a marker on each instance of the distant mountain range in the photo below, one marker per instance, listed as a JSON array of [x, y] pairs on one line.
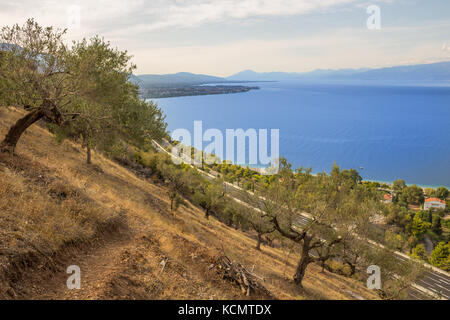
[[439, 71], [279, 76]]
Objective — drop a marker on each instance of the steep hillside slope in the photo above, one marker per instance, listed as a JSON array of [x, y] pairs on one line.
[[56, 211]]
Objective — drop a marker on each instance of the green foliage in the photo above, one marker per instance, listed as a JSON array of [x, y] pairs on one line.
[[83, 89], [397, 215], [440, 257], [398, 185], [38, 55], [372, 184], [112, 109], [397, 277], [445, 223], [234, 215], [334, 202], [441, 193], [245, 177], [419, 253], [425, 215], [211, 198], [175, 200], [371, 187], [353, 175], [436, 225], [412, 241], [429, 191], [345, 178], [411, 195], [419, 226], [393, 240]]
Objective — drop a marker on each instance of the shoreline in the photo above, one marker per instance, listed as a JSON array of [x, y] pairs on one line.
[[192, 91], [390, 183], [423, 186]]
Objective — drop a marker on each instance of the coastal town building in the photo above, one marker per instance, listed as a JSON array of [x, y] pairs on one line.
[[387, 198], [433, 203]]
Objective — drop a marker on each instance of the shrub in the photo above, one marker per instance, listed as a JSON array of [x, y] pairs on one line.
[[440, 257]]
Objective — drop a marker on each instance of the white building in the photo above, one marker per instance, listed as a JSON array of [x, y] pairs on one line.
[[433, 203]]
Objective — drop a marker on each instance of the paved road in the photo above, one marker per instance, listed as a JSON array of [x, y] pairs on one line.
[[435, 281], [428, 244], [432, 281]]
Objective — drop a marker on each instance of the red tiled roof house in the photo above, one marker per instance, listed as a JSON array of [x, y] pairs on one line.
[[387, 198], [434, 203]]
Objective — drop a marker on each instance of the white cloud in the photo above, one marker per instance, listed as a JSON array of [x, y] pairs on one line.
[[157, 14], [152, 30], [192, 13], [345, 48]]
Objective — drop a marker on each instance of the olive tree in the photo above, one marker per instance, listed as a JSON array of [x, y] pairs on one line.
[[41, 74], [258, 219], [330, 217], [211, 197], [320, 213]]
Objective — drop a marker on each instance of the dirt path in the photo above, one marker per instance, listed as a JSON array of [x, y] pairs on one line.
[[97, 267], [148, 265]]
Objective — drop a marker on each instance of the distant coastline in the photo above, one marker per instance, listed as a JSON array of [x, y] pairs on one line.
[[183, 91]]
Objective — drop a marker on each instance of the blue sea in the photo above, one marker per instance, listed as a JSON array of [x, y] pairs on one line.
[[386, 131]]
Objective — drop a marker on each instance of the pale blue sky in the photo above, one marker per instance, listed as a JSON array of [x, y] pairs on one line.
[[227, 36]]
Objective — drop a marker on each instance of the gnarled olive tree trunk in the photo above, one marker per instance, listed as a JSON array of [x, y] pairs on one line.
[[304, 261], [47, 109], [85, 143], [258, 242], [15, 132], [88, 155]]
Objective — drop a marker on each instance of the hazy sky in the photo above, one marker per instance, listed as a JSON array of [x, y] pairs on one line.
[[222, 37]]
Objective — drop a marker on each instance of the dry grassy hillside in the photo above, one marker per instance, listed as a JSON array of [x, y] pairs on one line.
[[56, 211]]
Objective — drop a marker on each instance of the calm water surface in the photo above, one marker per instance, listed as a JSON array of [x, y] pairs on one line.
[[392, 131]]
